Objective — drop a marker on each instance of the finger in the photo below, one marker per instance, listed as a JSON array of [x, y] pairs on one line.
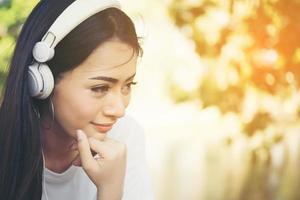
[[107, 149], [77, 162], [100, 147], [110, 143], [87, 160]]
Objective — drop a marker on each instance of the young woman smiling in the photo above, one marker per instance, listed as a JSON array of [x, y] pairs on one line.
[[64, 131]]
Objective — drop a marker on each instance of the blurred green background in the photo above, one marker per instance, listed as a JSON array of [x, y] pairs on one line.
[[218, 94]]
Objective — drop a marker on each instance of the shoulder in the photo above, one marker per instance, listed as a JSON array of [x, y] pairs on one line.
[[127, 129]]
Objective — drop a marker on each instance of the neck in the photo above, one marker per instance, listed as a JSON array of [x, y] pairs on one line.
[[56, 148]]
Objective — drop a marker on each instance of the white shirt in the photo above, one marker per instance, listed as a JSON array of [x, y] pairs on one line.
[[74, 184]]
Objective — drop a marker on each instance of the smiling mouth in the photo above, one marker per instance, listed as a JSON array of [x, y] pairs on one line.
[[102, 128], [105, 124]]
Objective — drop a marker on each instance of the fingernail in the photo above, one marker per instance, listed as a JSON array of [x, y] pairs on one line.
[[80, 135]]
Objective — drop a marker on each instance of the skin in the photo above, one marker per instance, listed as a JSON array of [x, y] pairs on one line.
[[79, 100]]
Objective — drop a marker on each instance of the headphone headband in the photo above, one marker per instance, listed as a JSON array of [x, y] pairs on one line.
[[41, 80], [73, 15]]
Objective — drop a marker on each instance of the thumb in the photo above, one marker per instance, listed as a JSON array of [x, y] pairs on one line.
[[87, 160]]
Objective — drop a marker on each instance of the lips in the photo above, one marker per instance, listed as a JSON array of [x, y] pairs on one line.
[[102, 128]]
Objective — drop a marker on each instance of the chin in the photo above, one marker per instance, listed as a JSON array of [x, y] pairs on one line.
[[99, 136], [91, 132]]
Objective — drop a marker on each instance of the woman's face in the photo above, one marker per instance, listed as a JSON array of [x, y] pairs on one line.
[[95, 94]]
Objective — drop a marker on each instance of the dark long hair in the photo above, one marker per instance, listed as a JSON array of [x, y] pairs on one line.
[[21, 161]]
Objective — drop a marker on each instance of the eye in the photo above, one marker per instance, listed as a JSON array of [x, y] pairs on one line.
[[100, 89], [127, 88]]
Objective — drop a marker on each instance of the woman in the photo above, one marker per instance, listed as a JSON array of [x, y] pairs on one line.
[[73, 141]]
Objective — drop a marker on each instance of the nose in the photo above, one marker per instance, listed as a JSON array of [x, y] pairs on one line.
[[115, 106]]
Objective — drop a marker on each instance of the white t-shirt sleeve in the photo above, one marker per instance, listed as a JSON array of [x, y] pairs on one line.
[[137, 180]]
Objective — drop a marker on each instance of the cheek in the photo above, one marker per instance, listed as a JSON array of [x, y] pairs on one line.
[[74, 110], [127, 100]]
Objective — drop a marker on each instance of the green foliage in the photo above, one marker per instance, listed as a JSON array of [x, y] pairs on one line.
[[5, 3], [12, 16]]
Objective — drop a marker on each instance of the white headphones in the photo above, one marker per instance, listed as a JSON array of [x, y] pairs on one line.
[[41, 81]]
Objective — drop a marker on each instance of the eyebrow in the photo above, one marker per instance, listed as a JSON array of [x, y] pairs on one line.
[[109, 79]]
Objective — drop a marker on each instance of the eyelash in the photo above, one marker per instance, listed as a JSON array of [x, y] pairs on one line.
[[105, 88], [102, 88]]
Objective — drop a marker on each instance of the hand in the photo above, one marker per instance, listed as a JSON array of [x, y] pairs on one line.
[[107, 171]]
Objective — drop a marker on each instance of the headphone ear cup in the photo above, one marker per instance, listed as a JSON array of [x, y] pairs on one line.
[[36, 84], [48, 80], [42, 52], [41, 81]]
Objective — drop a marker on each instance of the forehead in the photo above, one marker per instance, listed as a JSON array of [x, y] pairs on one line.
[[109, 56]]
